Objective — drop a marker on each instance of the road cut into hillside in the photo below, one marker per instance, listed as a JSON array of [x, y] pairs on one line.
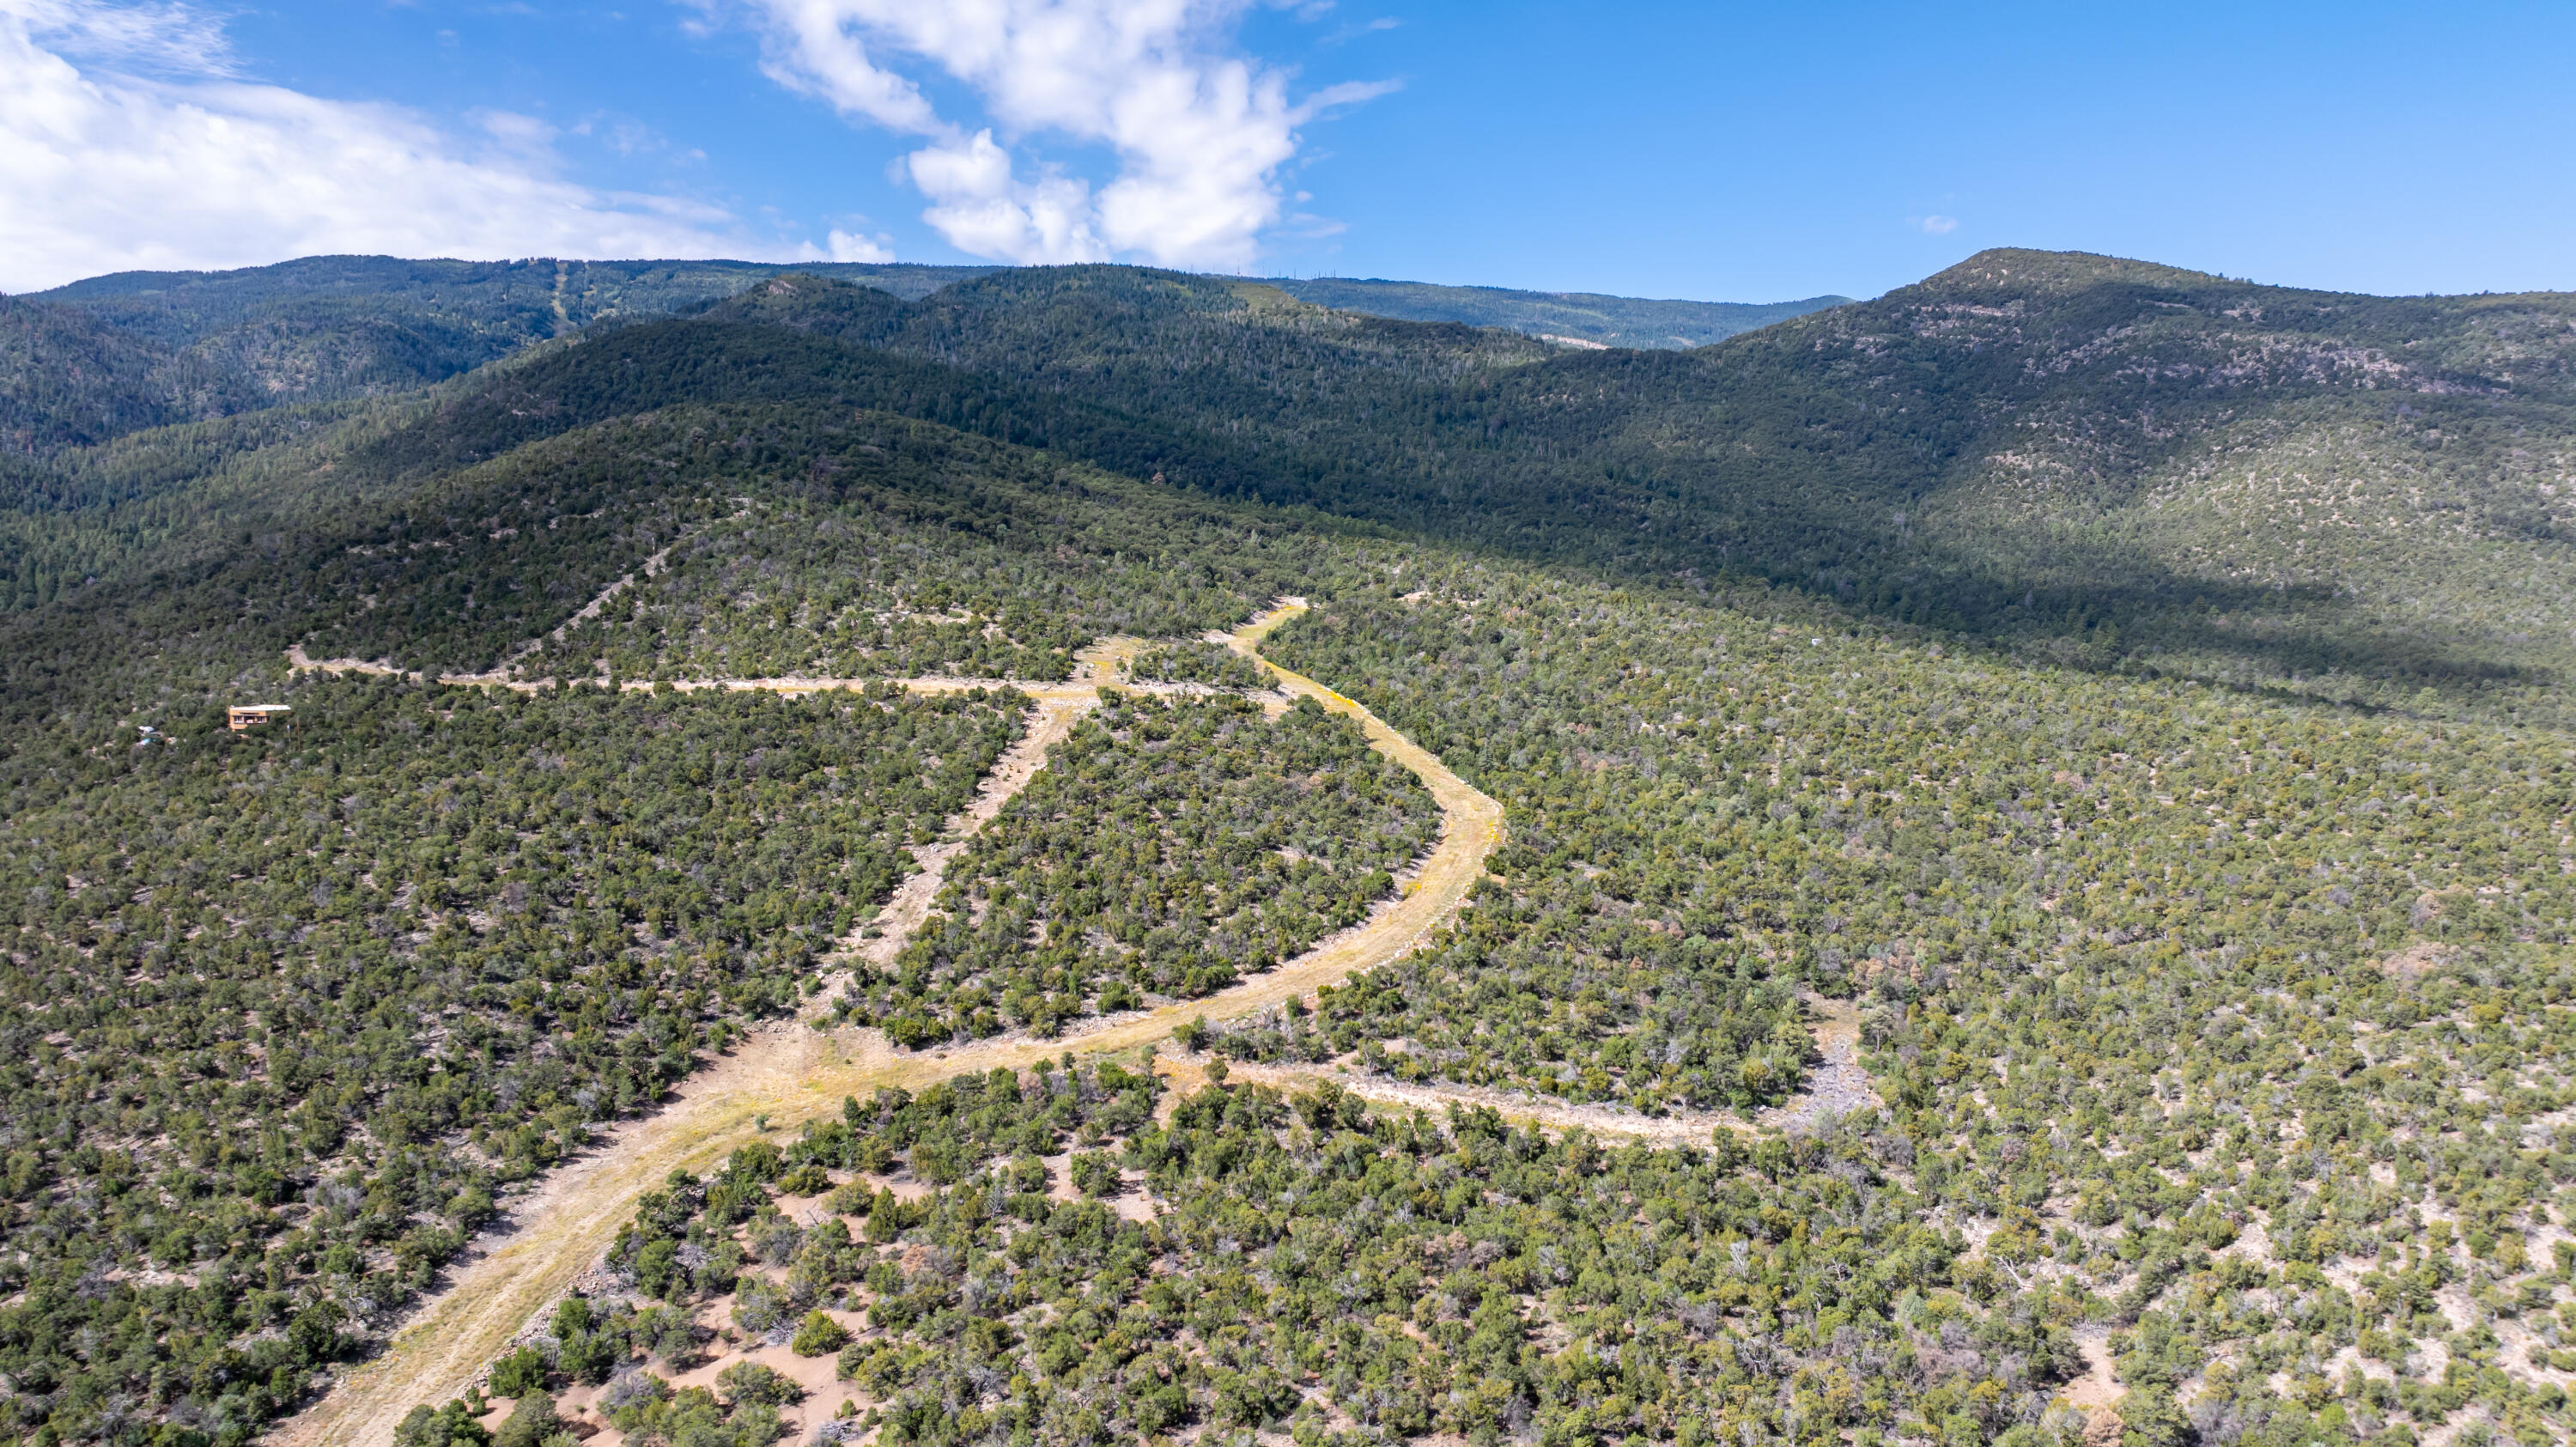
[[784, 1074]]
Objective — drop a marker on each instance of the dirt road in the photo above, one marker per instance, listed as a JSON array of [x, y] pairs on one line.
[[787, 1073], [1835, 1088]]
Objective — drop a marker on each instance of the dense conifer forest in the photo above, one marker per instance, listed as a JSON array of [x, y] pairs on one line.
[[2132, 702]]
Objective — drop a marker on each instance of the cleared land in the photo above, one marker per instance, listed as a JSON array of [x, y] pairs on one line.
[[789, 1072]]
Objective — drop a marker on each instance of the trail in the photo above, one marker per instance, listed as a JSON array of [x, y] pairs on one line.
[[1837, 1087], [790, 1072], [1682, 1128], [1054, 712], [1834, 1088], [505, 672]]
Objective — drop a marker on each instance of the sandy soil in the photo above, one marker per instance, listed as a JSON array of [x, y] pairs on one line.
[[1834, 1088], [1679, 1129], [2099, 1388], [787, 1073]]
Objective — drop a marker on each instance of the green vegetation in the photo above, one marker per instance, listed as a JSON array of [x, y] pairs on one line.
[[1615, 321], [1211, 664], [69, 379], [899, 549], [1312, 1269], [925, 552], [2137, 697], [2254, 1176], [1705, 800], [1169, 848], [288, 1008], [2102, 464], [98, 358]]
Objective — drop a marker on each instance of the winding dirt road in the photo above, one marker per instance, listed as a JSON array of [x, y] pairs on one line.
[[787, 1073]]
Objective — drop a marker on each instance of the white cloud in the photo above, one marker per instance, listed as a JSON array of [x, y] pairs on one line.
[[151, 37], [129, 140], [1199, 135], [982, 208], [1938, 225], [848, 246]]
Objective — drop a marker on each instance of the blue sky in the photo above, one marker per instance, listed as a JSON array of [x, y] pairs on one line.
[[1709, 151]]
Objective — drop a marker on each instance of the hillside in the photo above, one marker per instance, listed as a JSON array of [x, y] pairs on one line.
[[1610, 321], [331, 327], [70, 379], [83, 363], [2033, 461], [2084, 460], [1992, 865], [2255, 483], [2086, 463]]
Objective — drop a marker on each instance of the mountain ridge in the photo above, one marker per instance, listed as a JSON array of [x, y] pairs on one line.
[[2020, 448], [2006, 790], [193, 346]]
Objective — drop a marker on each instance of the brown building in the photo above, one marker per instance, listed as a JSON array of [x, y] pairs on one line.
[[252, 715]]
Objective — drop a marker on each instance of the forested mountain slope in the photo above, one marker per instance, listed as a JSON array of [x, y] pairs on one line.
[[2135, 694], [328, 327], [1610, 321], [2255, 482], [2111, 464], [71, 379], [2118, 463], [333, 326], [95, 376]]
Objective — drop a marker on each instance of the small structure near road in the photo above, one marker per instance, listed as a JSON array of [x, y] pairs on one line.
[[243, 716]]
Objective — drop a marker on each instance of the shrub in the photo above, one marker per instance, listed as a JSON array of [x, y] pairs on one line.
[[820, 1336], [531, 1422], [808, 1179], [773, 1238], [1095, 1173], [629, 1394], [760, 1306], [519, 1373], [450, 1426], [751, 1384]]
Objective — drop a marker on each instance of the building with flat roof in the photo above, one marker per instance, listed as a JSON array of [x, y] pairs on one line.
[[251, 715]]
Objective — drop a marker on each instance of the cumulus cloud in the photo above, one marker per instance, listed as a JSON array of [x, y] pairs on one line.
[[1938, 225], [129, 140], [1200, 135], [847, 246], [982, 208]]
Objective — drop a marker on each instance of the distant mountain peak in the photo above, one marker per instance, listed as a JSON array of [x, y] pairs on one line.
[[2059, 272]]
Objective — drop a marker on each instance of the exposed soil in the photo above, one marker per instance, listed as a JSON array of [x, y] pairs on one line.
[[2099, 1389], [1835, 1088], [786, 1073]]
